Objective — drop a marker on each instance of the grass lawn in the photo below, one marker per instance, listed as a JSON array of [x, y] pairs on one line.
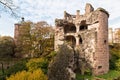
[[112, 74]]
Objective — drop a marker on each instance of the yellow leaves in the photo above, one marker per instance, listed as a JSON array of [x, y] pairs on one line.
[[35, 75], [37, 63], [36, 68], [38, 75], [19, 76]]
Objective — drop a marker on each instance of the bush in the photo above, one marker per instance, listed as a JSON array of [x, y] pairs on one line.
[[19, 66], [51, 55], [24, 75], [118, 64], [6, 47], [111, 75], [37, 63], [112, 60], [114, 55], [58, 66]]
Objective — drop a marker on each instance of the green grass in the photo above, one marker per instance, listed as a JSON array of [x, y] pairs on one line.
[[82, 77], [111, 75]]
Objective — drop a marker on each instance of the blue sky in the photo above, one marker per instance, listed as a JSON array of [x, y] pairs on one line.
[[48, 10]]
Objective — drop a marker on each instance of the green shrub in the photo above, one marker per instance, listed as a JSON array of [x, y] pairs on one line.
[[118, 64], [82, 77], [37, 63], [114, 55], [6, 47], [111, 75], [24, 75], [19, 66], [57, 68], [51, 55]]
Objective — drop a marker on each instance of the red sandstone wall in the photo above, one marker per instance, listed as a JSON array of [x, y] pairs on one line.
[[102, 51]]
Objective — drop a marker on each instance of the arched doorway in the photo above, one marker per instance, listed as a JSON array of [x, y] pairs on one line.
[[70, 40]]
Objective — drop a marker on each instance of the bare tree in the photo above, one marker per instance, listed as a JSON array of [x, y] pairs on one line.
[[8, 6]]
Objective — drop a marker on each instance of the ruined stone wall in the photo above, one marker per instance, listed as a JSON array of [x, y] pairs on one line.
[[16, 33], [59, 37], [110, 35], [88, 46], [101, 57], [116, 35], [90, 36]]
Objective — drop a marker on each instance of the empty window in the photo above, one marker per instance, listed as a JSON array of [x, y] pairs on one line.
[[105, 41], [70, 28], [83, 25], [99, 67], [71, 40], [80, 39]]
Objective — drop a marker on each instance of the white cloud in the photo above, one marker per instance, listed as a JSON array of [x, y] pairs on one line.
[[48, 10], [6, 25]]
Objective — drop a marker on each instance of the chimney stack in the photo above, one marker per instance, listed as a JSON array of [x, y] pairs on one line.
[[77, 13]]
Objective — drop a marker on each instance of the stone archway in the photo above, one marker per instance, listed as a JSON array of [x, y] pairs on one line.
[[83, 25], [70, 40], [69, 28]]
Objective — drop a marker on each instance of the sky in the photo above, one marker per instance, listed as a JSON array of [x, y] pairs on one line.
[[49, 10]]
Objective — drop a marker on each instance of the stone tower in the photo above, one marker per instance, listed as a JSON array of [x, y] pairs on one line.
[[87, 33], [17, 31], [21, 36]]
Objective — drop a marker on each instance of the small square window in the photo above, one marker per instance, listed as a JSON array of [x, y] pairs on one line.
[[99, 67]]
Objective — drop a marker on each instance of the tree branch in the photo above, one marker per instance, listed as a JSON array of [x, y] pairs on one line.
[[9, 7]]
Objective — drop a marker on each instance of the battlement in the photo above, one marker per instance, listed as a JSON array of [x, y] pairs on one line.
[[87, 16]]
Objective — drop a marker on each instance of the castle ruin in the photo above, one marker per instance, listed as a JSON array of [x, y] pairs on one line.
[[87, 33], [114, 35]]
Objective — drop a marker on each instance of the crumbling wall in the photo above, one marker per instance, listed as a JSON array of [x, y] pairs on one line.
[[87, 48], [91, 36], [59, 37]]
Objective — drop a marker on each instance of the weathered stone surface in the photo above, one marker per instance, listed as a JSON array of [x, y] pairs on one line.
[[114, 36], [88, 35], [60, 22], [88, 8]]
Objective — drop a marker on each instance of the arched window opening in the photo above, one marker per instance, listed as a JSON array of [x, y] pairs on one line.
[[80, 39], [83, 25], [70, 28], [71, 40], [105, 41]]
